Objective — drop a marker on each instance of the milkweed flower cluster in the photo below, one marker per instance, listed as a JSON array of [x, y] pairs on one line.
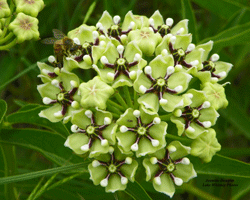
[[149, 74], [18, 21]]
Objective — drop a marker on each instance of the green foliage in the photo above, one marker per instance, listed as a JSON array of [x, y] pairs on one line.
[[31, 145]]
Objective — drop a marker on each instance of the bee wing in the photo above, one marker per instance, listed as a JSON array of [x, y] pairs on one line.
[[50, 40], [58, 34]]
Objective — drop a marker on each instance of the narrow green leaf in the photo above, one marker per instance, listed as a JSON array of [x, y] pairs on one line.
[[29, 114], [222, 8], [47, 172], [47, 143], [242, 189], [188, 13], [3, 109], [136, 191], [239, 34], [222, 166], [89, 12]]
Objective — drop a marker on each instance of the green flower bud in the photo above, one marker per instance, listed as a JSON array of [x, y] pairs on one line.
[[4, 9], [95, 93], [24, 27], [29, 7], [205, 146]]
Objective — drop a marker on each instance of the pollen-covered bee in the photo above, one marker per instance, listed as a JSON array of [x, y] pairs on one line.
[[63, 46]]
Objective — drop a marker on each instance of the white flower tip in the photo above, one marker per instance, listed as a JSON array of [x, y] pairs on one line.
[[131, 25], [195, 62], [88, 113], [178, 113], [95, 34], [206, 104], [87, 59], [120, 49], [66, 143], [164, 52], [185, 161], [111, 150], [75, 104], [153, 160], [214, 79], [170, 70], [163, 101], [207, 124], [51, 59], [169, 21], [74, 128], [47, 100], [142, 89], [102, 43], [173, 39], [178, 67], [85, 147], [148, 70], [178, 181], [132, 75], [151, 21], [55, 82], [77, 41], [215, 57], [116, 19], [155, 143], [96, 163], [134, 147], [66, 119], [151, 29], [128, 160], [179, 88], [110, 76], [99, 25], [157, 120], [191, 47], [45, 71], [123, 129], [222, 74], [104, 142], [58, 114], [137, 57], [107, 121], [104, 182], [57, 71], [136, 113], [171, 148], [73, 83], [157, 180], [180, 31], [124, 180], [104, 60], [190, 129], [124, 38], [190, 95]]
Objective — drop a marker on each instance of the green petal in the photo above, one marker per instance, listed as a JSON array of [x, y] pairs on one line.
[[207, 48], [198, 97], [122, 80], [29, 7], [129, 170], [43, 66], [196, 54], [127, 119], [65, 77], [97, 174], [80, 119], [181, 24], [179, 122], [141, 79], [149, 103], [197, 131], [109, 133], [48, 90], [159, 67], [97, 149], [146, 118], [130, 51], [222, 67], [69, 64], [209, 114], [146, 147], [75, 141], [158, 131], [167, 186], [158, 19], [114, 184], [111, 53], [181, 150], [205, 146], [182, 41], [179, 78], [175, 101], [185, 172], [106, 20], [125, 140], [151, 169], [49, 113]]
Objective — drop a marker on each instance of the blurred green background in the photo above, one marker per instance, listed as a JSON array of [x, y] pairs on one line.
[[227, 22]]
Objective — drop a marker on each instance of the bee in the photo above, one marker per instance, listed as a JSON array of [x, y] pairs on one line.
[[63, 46]]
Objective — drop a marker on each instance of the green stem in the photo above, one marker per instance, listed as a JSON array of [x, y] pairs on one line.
[[198, 192], [166, 117], [8, 46], [112, 103], [115, 115], [5, 39], [113, 109], [7, 22], [127, 96], [174, 137], [120, 99], [33, 193], [135, 100]]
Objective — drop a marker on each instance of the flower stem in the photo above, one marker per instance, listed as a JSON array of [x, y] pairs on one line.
[[135, 100], [112, 103], [8, 46], [198, 192], [127, 96], [5, 39], [120, 99]]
